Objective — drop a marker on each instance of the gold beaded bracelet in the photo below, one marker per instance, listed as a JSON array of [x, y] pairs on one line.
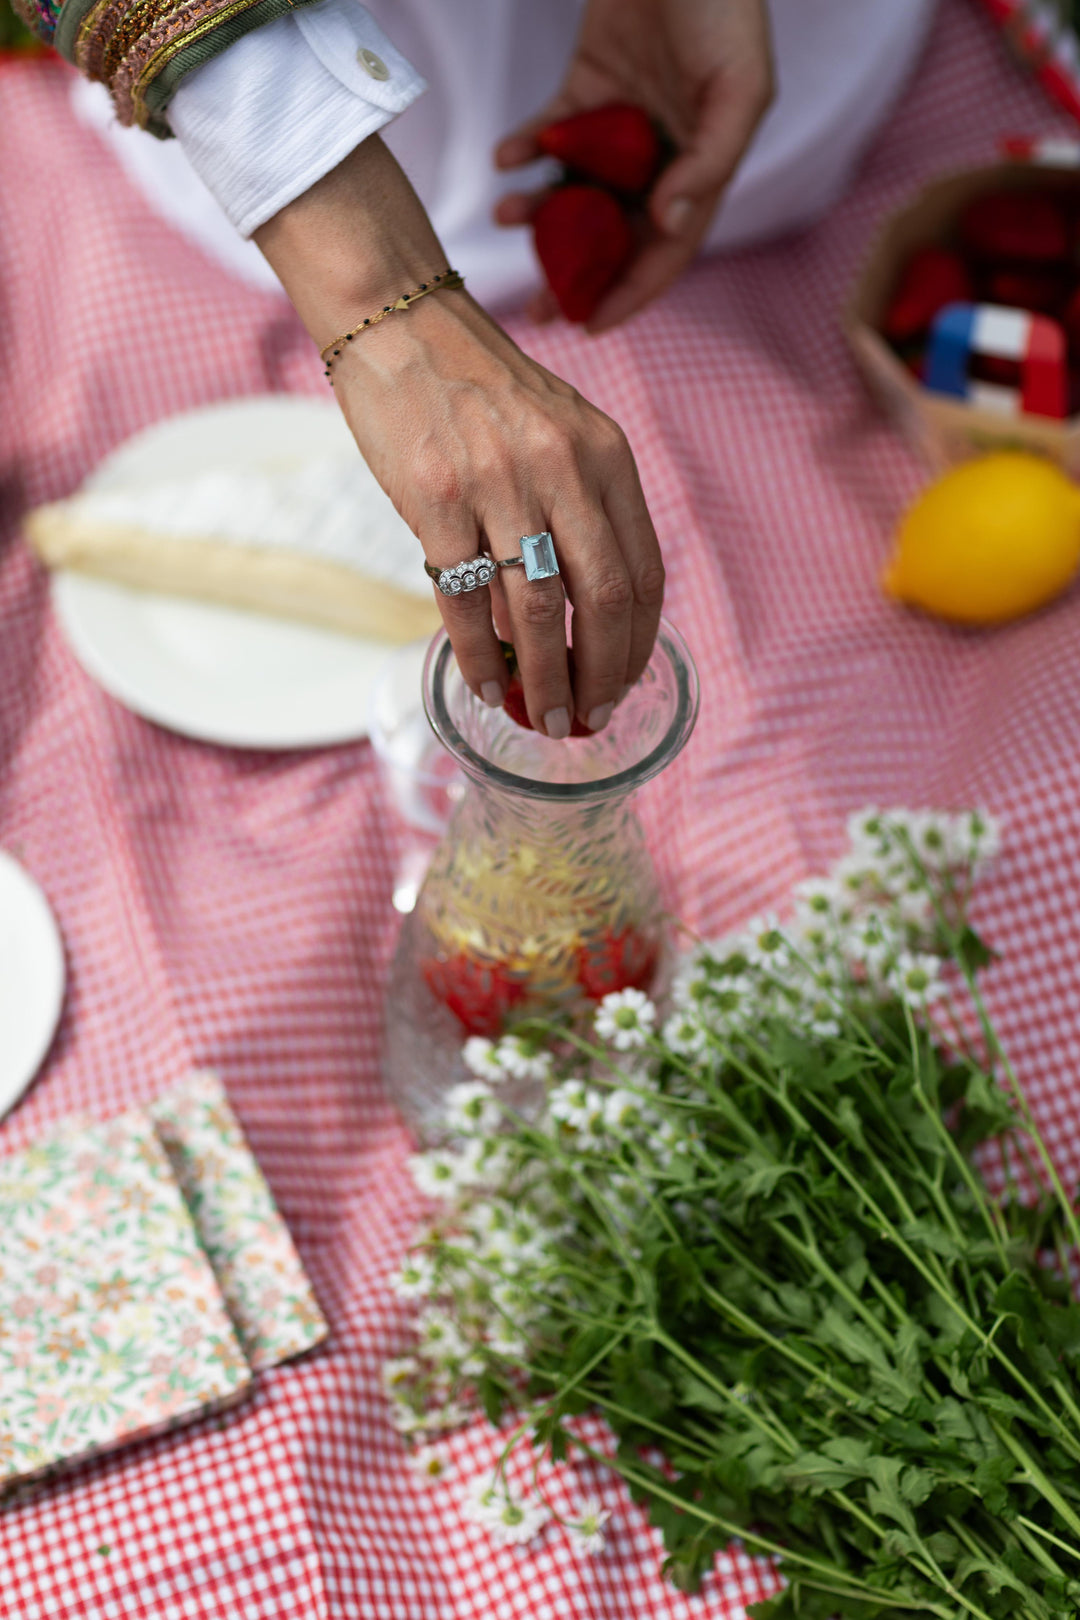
[[441, 283]]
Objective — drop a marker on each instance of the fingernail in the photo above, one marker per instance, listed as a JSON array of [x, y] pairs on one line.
[[492, 694], [557, 723], [599, 717], [677, 215]]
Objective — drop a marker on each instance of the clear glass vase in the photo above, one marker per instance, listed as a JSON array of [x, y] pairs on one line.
[[541, 897]]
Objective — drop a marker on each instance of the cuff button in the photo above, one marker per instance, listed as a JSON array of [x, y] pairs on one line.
[[373, 65]]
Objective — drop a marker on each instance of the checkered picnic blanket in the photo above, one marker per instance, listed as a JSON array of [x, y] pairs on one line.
[[233, 910]]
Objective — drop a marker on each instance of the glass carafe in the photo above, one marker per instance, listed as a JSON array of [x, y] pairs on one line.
[[541, 897]]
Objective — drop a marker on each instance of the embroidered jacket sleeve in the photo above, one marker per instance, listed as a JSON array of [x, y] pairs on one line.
[[142, 50]]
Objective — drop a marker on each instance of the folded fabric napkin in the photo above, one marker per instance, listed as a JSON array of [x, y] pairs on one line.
[[266, 1290], [144, 1274], [112, 1325]]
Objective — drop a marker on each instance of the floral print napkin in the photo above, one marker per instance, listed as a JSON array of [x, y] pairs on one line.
[[266, 1290], [112, 1324]]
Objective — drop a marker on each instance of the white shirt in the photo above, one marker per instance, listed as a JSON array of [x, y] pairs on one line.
[[445, 79]]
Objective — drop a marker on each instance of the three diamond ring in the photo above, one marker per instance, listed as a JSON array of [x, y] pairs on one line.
[[537, 558]]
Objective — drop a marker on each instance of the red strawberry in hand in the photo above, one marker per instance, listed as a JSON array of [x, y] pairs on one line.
[[617, 145], [584, 241]]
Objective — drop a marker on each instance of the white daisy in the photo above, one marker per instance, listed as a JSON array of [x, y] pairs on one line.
[[522, 1058], [434, 1172], [430, 1466], [587, 1532], [471, 1109], [399, 1372], [416, 1279], [765, 944], [685, 1034], [512, 1520], [626, 1018], [974, 837], [916, 979], [622, 1112], [482, 1059], [569, 1103]]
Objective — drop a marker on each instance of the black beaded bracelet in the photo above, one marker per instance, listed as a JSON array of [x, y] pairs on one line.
[[444, 282]]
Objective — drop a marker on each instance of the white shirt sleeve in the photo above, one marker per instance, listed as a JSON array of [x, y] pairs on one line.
[[274, 112]]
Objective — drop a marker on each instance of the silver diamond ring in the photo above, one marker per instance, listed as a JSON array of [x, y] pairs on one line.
[[463, 576], [537, 558]]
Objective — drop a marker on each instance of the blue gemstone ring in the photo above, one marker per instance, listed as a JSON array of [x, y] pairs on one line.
[[537, 556]]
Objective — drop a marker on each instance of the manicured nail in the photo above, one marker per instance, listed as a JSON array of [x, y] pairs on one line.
[[599, 717], [678, 215], [492, 694], [557, 723]]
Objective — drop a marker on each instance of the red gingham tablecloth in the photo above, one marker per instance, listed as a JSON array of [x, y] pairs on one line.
[[233, 909]]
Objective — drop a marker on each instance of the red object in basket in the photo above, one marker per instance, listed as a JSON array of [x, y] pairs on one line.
[[617, 145], [479, 994], [583, 241], [1029, 227], [932, 278], [625, 961], [1070, 320], [1032, 287]]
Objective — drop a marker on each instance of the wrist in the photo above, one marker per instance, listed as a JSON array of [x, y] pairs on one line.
[[354, 242]]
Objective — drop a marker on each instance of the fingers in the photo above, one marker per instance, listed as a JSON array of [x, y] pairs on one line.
[[734, 103], [598, 583], [536, 610], [468, 617], [518, 207], [633, 529], [658, 263], [520, 146]]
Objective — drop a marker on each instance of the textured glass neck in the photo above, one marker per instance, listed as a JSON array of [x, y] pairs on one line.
[[646, 732]]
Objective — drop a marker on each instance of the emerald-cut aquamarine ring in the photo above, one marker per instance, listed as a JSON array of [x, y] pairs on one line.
[[537, 556]]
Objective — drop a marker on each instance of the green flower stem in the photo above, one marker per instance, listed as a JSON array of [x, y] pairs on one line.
[[838, 1578], [995, 1049], [942, 1290], [1038, 1478], [947, 1139], [936, 1575], [817, 1262], [1038, 1530], [747, 1410], [1031, 1543], [851, 1397]]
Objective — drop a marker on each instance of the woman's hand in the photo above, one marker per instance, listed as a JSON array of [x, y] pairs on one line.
[[477, 445], [702, 68]]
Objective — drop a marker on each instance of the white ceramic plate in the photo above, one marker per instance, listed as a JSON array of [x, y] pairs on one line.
[[31, 980], [241, 679]]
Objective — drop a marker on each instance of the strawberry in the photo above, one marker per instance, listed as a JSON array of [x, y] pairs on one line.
[[617, 145], [1071, 322], [932, 278], [583, 241], [1034, 288], [615, 962], [1029, 226], [514, 701], [995, 368], [481, 995]]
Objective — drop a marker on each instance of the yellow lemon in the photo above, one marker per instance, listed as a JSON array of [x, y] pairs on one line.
[[989, 540]]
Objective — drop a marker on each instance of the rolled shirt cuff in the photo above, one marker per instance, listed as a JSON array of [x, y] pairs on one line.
[[269, 116]]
